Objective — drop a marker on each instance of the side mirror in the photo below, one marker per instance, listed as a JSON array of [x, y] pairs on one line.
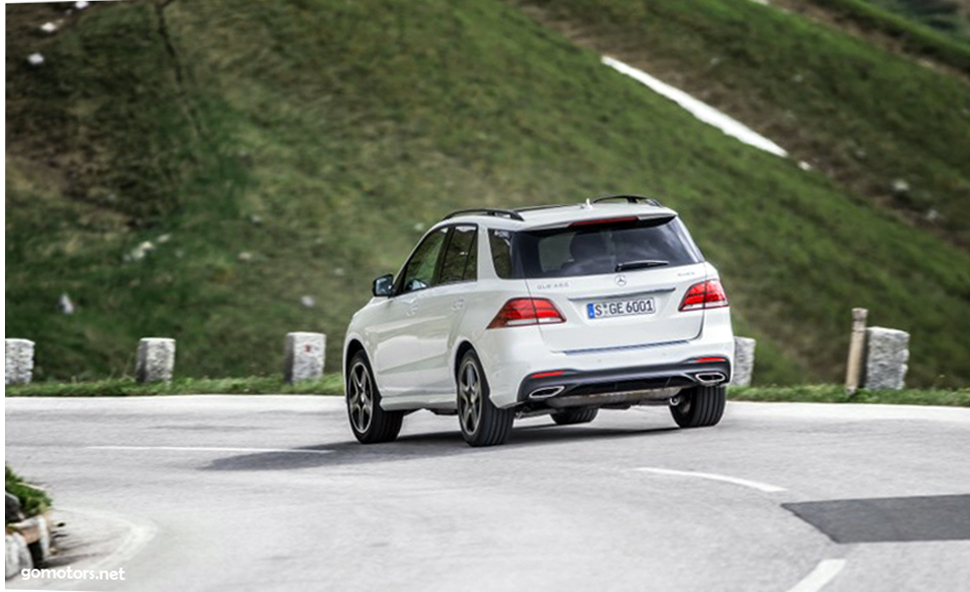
[[384, 285]]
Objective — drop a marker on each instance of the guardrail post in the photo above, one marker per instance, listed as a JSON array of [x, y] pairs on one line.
[[743, 361], [856, 346], [304, 356], [887, 355], [156, 360], [19, 367]]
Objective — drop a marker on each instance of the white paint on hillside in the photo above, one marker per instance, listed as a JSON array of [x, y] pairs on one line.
[[699, 109]]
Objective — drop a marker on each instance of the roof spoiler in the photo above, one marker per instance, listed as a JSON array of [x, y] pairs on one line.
[[633, 199], [512, 214]]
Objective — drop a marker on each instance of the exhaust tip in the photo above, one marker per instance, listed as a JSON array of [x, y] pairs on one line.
[[710, 378], [546, 392]]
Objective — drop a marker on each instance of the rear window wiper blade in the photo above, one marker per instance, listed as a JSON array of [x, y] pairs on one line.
[[642, 264]]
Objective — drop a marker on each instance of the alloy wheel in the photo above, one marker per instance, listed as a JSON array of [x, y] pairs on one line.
[[360, 397], [469, 397]]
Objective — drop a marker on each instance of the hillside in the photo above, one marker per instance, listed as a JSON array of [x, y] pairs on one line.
[[948, 18], [272, 151], [883, 124]]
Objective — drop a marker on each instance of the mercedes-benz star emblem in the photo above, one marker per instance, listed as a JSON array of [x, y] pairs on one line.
[[621, 280]]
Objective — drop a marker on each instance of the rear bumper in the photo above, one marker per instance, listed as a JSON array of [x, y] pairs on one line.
[[512, 356], [634, 383]]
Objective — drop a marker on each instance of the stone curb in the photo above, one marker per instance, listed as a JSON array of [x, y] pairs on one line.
[[28, 545]]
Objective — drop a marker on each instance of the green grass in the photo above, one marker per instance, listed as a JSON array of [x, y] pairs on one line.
[[935, 28], [867, 114], [330, 384], [828, 393], [33, 500], [347, 127]]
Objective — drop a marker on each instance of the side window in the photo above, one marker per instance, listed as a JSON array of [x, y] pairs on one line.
[[500, 244], [461, 260], [419, 273]]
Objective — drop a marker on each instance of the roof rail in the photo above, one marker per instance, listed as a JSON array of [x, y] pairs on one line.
[[488, 212], [629, 199], [546, 207]]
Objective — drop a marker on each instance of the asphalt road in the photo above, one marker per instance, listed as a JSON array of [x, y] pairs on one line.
[[272, 493]]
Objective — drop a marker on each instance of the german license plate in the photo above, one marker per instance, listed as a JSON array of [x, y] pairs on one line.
[[620, 308]]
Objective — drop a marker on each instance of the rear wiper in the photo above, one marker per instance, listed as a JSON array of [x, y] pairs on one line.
[[643, 264]]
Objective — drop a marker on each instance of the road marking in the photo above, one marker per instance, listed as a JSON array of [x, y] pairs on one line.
[[820, 576], [140, 533], [210, 449], [767, 488]]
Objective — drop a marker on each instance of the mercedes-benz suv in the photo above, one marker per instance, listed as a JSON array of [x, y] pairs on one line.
[[561, 310]]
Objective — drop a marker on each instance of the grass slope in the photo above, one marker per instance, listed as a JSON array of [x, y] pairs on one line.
[[863, 115], [936, 28], [320, 137]]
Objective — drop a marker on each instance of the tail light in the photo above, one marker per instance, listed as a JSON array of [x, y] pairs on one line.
[[527, 311], [709, 294]]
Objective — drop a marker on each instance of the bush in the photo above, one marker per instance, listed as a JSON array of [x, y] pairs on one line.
[[33, 500]]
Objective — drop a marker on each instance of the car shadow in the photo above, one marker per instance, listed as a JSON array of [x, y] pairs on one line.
[[417, 446]]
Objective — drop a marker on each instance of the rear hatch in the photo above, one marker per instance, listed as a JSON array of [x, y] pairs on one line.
[[618, 282]]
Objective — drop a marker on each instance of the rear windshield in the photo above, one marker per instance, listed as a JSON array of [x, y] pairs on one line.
[[592, 250]]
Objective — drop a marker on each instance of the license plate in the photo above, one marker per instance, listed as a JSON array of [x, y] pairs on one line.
[[620, 308]]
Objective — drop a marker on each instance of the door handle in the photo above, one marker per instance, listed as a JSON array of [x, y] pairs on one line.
[[412, 307]]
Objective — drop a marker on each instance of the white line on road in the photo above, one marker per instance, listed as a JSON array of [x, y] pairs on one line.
[[820, 576], [209, 449], [140, 533], [715, 477]]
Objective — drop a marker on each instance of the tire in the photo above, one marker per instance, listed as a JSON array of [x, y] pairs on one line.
[[482, 423], [574, 416], [368, 421], [701, 407]]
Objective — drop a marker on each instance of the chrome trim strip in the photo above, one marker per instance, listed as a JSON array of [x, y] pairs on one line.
[[623, 347], [623, 295]]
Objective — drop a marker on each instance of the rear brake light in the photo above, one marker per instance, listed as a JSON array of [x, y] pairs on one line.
[[605, 221], [709, 294], [527, 311], [707, 360]]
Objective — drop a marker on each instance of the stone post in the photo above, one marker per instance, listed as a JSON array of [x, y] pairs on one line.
[[887, 354], [743, 361], [156, 360], [304, 356], [19, 368], [856, 345]]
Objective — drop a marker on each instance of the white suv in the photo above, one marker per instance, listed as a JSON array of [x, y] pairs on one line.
[[499, 314]]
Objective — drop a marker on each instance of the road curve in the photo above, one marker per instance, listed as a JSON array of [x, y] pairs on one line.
[[272, 493]]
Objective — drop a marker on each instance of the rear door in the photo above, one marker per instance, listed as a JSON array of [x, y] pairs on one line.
[[619, 283]]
